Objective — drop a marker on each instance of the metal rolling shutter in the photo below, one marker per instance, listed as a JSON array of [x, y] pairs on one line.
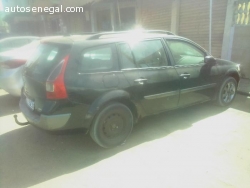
[[194, 22], [156, 14]]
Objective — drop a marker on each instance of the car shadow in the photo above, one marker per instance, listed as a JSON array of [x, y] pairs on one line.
[[29, 156], [9, 105]]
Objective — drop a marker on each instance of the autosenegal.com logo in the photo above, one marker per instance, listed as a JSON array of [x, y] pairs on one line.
[[50, 10]]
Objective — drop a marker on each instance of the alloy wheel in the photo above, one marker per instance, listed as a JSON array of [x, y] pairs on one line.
[[228, 92]]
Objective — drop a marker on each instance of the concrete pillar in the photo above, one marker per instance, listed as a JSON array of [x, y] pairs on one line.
[[228, 32], [112, 16], [93, 19], [138, 14], [175, 16]]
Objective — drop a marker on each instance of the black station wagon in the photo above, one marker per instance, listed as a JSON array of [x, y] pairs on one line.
[[107, 82]]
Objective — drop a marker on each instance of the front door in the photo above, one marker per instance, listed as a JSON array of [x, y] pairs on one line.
[[197, 82], [156, 81]]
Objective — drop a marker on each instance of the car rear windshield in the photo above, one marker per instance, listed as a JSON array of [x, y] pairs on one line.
[[46, 57]]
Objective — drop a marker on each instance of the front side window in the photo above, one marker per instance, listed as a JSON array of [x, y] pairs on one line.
[[97, 60], [185, 53], [149, 54]]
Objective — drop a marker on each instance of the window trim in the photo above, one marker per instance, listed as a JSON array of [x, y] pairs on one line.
[[115, 66], [188, 42], [149, 68]]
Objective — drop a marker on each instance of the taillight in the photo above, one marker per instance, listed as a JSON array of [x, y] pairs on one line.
[[55, 86], [14, 63]]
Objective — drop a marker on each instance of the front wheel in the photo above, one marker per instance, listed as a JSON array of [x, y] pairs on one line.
[[227, 92], [112, 125]]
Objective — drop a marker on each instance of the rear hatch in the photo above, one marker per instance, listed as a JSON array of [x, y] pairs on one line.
[[47, 65]]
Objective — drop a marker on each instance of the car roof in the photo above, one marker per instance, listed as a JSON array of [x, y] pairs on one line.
[[110, 38], [122, 38], [86, 41], [64, 39]]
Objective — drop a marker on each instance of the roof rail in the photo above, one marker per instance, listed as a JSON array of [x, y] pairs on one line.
[[99, 35], [85, 33]]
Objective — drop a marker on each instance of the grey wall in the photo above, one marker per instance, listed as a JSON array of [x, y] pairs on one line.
[[241, 49]]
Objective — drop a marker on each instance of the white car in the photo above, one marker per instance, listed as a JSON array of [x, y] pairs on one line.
[[15, 42], [13, 61], [11, 65]]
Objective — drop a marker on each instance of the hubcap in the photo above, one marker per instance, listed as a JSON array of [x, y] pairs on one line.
[[113, 125], [228, 92]]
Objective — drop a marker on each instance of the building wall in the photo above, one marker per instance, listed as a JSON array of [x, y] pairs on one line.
[[241, 49], [64, 3], [194, 23], [14, 3], [155, 15], [74, 22], [219, 18]]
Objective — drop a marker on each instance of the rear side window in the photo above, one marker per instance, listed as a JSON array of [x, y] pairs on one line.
[[46, 57], [150, 54], [99, 59]]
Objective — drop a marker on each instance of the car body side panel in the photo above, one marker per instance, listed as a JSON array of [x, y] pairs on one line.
[[227, 68], [161, 90], [106, 98], [200, 86]]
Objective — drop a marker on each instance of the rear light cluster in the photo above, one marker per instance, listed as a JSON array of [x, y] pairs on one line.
[[14, 63], [55, 86]]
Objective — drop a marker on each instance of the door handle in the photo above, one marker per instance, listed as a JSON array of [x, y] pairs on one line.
[[185, 76], [141, 81]]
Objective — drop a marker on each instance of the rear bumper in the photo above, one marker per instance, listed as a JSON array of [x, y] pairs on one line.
[[51, 122], [11, 80]]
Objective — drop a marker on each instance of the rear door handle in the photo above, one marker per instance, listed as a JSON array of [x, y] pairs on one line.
[[141, 81], [185, 76]]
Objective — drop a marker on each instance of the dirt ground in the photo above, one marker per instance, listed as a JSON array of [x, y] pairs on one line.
[[199, 146]]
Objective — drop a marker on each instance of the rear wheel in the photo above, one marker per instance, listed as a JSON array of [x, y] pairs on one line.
[[112, 125], [227, 92]]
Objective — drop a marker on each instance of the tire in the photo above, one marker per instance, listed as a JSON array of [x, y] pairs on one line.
[[112, 126], [227, 92]]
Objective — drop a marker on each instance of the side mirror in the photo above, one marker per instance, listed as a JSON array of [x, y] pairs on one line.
[[209, 59]]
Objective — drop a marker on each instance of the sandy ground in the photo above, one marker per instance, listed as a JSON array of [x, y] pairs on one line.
[[201, 146], [214, 152]]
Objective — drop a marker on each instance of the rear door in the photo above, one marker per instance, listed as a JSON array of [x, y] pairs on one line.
[[155, 80], [38, 69], [92, 72], [197, 79]]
